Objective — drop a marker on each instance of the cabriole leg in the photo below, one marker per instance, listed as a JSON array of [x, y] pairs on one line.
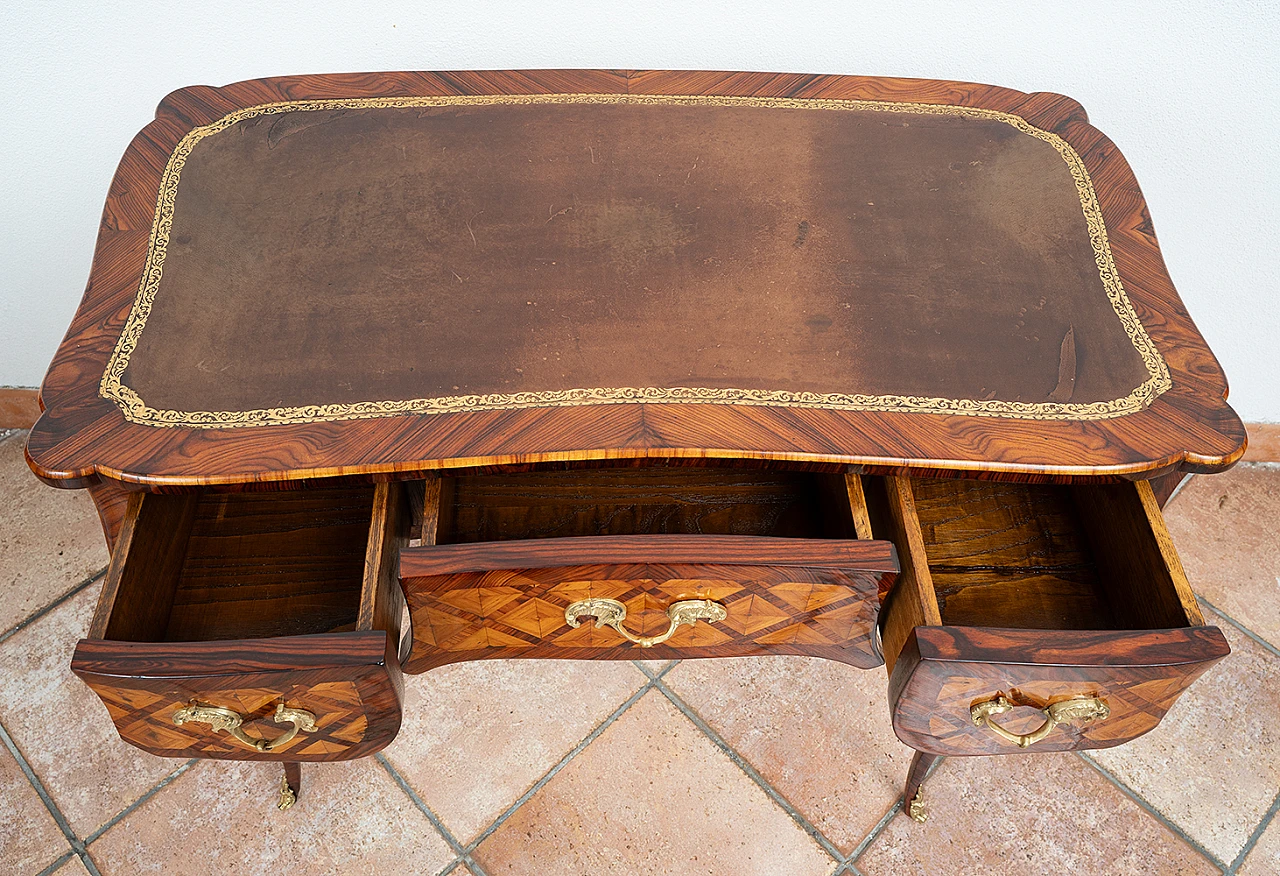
[[290, 784], [913, 795]]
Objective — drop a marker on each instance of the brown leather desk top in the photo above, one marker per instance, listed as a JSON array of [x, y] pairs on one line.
[[333, 275]]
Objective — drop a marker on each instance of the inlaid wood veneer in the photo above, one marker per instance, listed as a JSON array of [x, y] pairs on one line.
[[781, 596]]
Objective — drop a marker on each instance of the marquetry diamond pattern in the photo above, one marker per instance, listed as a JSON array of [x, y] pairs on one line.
[[751, 614], [804, 596], [841, 622], [144, 716], [536, 617], [1138, 696], [523, 613], [481, 601], [794, 634], [434, 626]]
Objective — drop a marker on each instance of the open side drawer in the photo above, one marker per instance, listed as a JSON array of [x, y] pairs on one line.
[[1033, 617], [606, 563], [228, 620]]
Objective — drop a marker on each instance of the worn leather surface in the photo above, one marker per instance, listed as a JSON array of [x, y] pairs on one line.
[[361, 255]]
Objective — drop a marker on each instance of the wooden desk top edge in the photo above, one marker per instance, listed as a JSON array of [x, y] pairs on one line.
[[83, 436]]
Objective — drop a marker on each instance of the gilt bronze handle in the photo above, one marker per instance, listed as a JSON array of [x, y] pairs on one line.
[[1075, 709], [224, 719], [611, 613]]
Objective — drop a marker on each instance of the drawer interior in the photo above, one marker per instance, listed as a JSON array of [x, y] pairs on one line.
[[1013, 555], [653, 500], [216, 566], [1030, 556]]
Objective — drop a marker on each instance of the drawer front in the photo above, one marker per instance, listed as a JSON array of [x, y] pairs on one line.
[[524, 599], [1116, 686], [351, 699]]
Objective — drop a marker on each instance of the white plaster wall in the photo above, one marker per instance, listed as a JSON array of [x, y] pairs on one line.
[[1189, 91]]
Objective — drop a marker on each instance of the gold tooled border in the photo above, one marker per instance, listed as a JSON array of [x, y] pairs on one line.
[[136, 410]]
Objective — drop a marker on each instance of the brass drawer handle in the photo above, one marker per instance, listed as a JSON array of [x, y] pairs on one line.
[[1075, 709], [611, 613], [224, 719]]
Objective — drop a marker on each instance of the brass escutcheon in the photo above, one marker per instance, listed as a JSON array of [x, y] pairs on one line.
[[1085, 709], [611, 613], [224, 719]]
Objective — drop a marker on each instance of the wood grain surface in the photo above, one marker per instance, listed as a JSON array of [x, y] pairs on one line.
[[111, 499], [1010, 555], [724, 550], [1045, 556], [381, 599], [911, 602], [83, 436], [645, 501]]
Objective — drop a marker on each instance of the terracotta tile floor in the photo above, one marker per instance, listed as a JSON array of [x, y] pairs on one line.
[[769, 766]]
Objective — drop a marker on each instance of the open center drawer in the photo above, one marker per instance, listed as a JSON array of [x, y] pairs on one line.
[[1028, 616], [247, 626], [648, 562]]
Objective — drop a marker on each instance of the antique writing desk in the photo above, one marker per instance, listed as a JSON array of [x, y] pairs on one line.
[[376, 373]]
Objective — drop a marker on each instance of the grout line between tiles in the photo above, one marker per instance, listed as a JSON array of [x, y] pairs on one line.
[[41, 612], [450, 867], [147, 795], [551, 773], [87, 860], [62, 859], [1239, 626], [77, 847], [643, 669], [847, 867], [1254, 837], [839, 868], [742, 764], [875, 831], [670, 666], [1151, 809], [463, 856], [639, 664], [880, 825]]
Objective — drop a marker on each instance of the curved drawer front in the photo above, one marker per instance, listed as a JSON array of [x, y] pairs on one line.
[[541, 598], [1047, 690], [182, 699]]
